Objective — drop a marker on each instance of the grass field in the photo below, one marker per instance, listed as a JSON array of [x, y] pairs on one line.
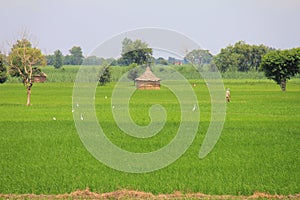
[[257, 151]]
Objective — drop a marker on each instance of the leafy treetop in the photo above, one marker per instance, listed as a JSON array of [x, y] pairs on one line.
[[281, 65]]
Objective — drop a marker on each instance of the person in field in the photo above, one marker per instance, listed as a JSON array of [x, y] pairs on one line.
[[228, 95]]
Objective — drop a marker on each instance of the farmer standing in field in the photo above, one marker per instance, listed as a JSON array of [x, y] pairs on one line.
[[228, 95]]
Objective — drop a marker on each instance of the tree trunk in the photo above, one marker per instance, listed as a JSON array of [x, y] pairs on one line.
[[283, 85], [28, 96]]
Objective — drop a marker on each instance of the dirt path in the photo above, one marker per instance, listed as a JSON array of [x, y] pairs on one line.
[[131, 194]]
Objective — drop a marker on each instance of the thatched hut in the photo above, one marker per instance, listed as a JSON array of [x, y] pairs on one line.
[[40, 78], [147, 81]]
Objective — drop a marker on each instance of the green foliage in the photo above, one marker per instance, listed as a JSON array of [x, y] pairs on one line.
[[58, 59], [281, 65], [135, 52], [199, 56], [105, 75], [23, 60], [117, 72], [251, 75], [66, 74], [49, 59], [112, 61], [240, 57], [68, 60], [22, 43], [133, 71], [93, 60], [3, 71], [227, 61], [161, 61], [258, 150], [76, 57]]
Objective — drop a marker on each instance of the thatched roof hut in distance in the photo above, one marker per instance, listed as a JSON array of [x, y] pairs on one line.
[[40, 78], [147, 81]]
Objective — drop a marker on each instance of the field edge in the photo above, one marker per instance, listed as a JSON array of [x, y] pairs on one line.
[[133, 194]]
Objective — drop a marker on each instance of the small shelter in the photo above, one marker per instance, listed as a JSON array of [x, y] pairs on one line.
[[147, 81], [40, 78]]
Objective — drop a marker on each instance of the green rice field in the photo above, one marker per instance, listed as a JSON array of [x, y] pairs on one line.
[[258, 149]]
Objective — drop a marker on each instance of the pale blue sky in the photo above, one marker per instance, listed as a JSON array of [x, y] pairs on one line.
[[61, 24]]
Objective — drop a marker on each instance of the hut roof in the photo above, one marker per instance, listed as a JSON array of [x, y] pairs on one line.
[[41, 74], [147, 76]]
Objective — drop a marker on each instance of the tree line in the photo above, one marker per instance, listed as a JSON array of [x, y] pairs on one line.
[[238, 57], [58, 59], [241, 57], [142, 53], [279, 65]]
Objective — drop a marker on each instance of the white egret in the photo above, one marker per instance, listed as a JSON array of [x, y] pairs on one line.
[[194, 108]]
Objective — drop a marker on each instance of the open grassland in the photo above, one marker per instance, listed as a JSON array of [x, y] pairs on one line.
[[257, 151]]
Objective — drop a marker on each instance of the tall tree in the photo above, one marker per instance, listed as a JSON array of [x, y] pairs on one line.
[[22, 43], [67, 60], [76, 55], [240, 57], [105, 75], [49, 59], [199, 56], [281, 65], [135, 52], [58, 59], [23, 59], [258, 51], [3, 71], [226, 60], [126, 45]]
